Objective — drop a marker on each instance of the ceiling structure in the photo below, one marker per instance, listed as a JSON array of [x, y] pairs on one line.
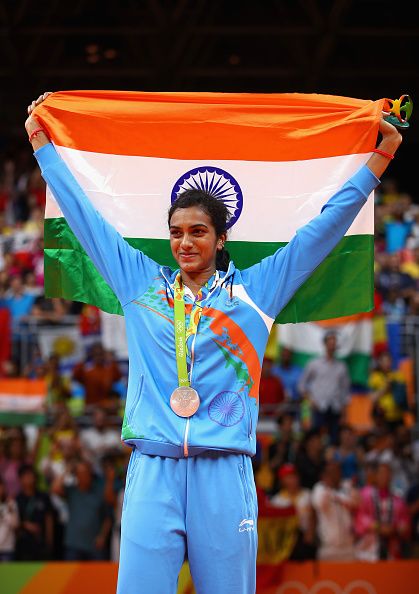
[[358, 48]]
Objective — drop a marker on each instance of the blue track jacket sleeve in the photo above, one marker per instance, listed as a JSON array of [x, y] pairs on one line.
[[272, 282], [127, 270]]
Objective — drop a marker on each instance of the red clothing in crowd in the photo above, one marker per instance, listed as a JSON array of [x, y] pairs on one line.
[[271, 393], [97, 379]]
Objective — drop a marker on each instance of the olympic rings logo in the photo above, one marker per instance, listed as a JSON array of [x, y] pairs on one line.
[[327, 587]]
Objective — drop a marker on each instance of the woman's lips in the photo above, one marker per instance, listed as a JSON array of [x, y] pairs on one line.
[[187, 256]]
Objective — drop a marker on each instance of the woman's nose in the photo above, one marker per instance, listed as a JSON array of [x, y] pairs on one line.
[[186, 240]]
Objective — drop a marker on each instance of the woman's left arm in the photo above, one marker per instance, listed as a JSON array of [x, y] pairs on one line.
[[272, 282], [390, 142]]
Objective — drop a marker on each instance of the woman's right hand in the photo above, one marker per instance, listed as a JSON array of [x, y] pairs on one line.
[[31, 123]]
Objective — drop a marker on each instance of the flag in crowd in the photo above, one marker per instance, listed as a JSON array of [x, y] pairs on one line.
[[354, 342], [274, 159], [22, 401]]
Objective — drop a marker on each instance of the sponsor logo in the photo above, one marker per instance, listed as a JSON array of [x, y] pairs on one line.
[[218, 183], [246, 525]]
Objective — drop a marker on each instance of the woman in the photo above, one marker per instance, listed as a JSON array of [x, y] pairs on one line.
[[292, 494], [191, 408], [388, 393]]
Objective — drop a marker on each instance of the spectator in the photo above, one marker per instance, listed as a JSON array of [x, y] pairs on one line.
[[388, 393], [115, 469], [347, 454], [18, 301], [391, 277], [412, 500], [396, 229], [334, 504], [382, 523], [284, 447], [9, 520], [394, 306], [292, 494], [35, 368], [326, 383], [100, 439], [289, 374], [58, 386], [389, 450], [61, 461], [412, 241], [16, 457], [310, 459], [89, 517], [36, 528], [271, 390], [97, 374], [48, 311], [64, 428], [31, 286], [411, 267]]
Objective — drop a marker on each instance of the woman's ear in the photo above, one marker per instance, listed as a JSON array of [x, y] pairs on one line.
[[221, 241]]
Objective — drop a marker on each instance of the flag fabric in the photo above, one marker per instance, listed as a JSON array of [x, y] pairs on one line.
[[113, 335], [22, 401], [274, 159], [354, 336]]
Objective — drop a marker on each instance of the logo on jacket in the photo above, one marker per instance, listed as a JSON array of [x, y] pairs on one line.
[[218, 183], [246, 525], [226, 409]]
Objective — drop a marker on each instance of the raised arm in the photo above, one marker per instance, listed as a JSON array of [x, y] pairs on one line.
[[273, 282], [127, 270]]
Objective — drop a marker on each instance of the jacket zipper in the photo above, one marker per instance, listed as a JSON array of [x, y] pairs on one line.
[[188, 420]]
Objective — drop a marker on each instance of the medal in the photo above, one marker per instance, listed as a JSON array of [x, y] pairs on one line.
[[184, 401]]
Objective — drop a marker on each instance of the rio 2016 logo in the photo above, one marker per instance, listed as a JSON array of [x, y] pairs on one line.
[[327, 587]]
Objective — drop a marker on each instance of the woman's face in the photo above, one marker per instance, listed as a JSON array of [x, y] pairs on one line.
[[193, 240]]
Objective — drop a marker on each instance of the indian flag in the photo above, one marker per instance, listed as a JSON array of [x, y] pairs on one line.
[[273, 159], [22, 401], [354, 336]]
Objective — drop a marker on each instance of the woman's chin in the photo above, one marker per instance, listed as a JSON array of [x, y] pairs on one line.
[[189, 266]]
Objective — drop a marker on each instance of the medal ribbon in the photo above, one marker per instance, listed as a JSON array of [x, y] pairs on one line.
[[181, 334]]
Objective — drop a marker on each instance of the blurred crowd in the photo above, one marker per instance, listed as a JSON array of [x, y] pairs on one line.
[[355, 493]]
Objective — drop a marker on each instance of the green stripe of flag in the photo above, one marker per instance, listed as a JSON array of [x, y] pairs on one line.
[[342, 285], [12, 418]]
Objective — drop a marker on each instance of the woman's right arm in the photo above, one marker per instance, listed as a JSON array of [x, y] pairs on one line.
[[126, 269]]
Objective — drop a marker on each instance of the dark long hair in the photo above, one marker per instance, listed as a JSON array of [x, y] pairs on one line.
[[214, 208]]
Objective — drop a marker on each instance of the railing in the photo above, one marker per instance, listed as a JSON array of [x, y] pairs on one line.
[[407, 330], [27, 331]]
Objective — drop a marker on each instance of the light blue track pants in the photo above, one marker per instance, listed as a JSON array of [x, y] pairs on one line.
[[203, 508]]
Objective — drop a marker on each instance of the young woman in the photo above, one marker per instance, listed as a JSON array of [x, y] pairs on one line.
[[196, 341]]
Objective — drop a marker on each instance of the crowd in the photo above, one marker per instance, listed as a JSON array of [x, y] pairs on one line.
[[356, 494]]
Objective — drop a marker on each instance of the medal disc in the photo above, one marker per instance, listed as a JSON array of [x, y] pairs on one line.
[[184, 401]]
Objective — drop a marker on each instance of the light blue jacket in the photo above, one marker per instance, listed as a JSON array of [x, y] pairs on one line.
[[225, 356]]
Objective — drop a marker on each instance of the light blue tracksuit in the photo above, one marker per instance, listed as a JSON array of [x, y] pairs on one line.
[[190, 488]]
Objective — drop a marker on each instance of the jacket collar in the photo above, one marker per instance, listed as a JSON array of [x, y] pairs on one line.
[[218, 279]]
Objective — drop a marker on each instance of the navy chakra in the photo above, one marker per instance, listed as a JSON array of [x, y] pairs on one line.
[[216, 182], [226, 409]]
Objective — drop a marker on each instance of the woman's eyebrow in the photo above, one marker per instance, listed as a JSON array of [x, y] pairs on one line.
[[191, 226]]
